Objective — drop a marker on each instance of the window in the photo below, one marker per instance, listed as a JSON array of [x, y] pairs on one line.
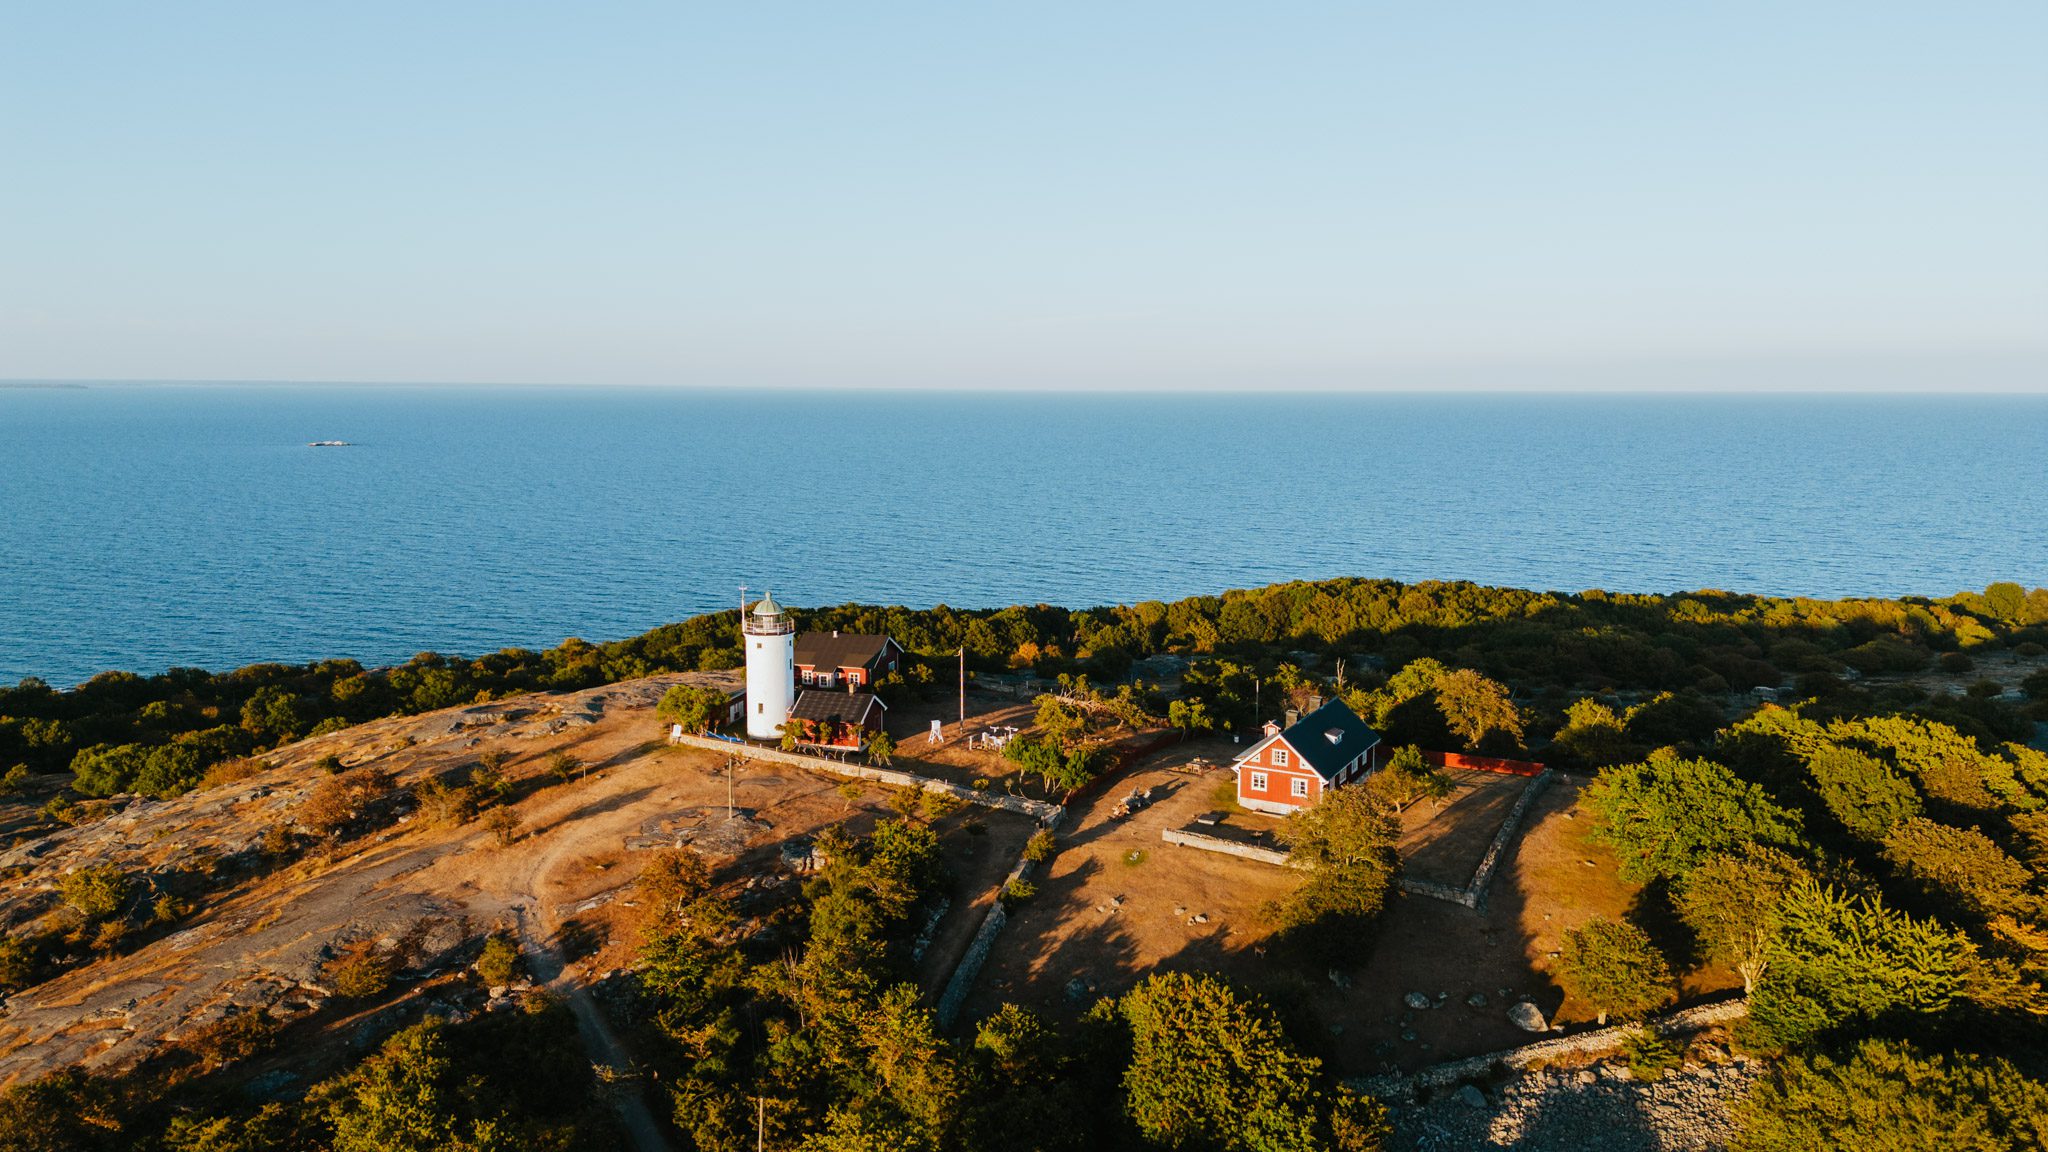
[[760, 708], [1279, 757], [1258, 782], [1300, 786], [807, 676]]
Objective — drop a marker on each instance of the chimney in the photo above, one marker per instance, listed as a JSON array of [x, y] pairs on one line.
[[1293, 717], [835, 633]]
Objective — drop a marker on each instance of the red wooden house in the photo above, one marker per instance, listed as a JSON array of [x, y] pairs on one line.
[[838, 721], [836, 659], [1291, 767]]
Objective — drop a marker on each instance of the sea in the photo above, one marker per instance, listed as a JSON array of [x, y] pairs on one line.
[[146, 526]]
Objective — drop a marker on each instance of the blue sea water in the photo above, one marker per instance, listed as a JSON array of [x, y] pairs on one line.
[[146, 526]]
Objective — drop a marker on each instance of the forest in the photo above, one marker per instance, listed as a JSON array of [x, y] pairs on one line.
[[1867, 855]]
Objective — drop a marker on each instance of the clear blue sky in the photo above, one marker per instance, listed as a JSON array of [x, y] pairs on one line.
[[1133, 194]]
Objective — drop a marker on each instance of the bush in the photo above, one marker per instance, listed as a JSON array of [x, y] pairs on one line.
[[1956, 663], [1017, 891], [232, 1038], [1650, 1055], [503, 824], [95, 893], [498, 964], [1613, 967], [1041, 846], [359, 971], [562, 766], [1888, 1095]]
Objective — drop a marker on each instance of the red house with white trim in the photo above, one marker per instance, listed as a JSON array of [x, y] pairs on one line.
[[1291, 768], [836, 659]]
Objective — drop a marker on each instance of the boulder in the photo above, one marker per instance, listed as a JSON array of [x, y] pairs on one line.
[[1528, 1017], [1476, 1000], [1417, 1000], [1471, 1096]]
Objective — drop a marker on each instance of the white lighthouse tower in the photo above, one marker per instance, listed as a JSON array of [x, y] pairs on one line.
[[770, 636]]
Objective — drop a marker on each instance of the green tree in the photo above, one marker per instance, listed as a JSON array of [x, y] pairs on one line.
[[1662, 816], [1476, 707], [1190, 716], [1889, 1095], [696, 709], [1732, 903], [1614, 968], [1958, 864], [1210, 1069], [1862, 792], [1842, 959], [1406, 778], [880, 748], [1593, 736], [409, 1098]]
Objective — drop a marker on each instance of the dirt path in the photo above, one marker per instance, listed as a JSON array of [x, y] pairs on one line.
[[537, 934]]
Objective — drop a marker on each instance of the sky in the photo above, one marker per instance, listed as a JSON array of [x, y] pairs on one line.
[[1047, 195]]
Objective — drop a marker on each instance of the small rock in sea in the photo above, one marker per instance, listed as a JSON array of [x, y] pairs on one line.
[[1336, 1029], [1472, 1097], [1476, 1000], [1339, 979], [1409, 1036], [1528, 1017], [1416, 1000], [1077, 988]]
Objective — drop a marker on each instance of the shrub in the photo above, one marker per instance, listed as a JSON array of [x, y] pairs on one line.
[[498, 963], [503, 824], [1615, 969], [562, 766], [442, 804], [1016, 891], [1650, 1055], [1956, 663], [1886, 1094], [232, 1038], [360, 970], [1041, 846], [95, 893], [672, 878], [1864, 793]]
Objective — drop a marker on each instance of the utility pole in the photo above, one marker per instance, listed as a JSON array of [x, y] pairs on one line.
[[760, 1123], [963, 685], [732, 769], [743, 617]]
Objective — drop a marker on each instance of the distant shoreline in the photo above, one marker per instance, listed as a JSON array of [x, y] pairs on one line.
[[42, 384]]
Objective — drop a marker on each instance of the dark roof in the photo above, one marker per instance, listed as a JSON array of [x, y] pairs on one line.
[[822, 650], [1329, 738], [835, 707]]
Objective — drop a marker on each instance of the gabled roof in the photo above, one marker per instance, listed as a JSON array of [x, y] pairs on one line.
[[835, 707], [831, 650], [1327, 739]]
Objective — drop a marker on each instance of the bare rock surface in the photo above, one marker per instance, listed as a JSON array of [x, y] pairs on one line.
[[1569, 1110]]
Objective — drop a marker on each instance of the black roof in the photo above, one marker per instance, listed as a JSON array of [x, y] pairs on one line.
[[828, 650], [1330, 737], [833, 707]]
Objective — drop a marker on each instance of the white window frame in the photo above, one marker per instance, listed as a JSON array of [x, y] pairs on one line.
[[1258, 783], [1279, 757], [1301, 787]]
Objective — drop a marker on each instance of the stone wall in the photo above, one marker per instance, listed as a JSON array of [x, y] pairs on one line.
[[1483, 875], [1047, 814], [1228, 847], [1402, 1087]]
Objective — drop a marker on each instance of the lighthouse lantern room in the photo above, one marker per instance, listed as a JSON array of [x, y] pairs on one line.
[[770, 637]]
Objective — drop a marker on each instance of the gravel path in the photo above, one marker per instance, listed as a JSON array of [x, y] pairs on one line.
[[1594, 1109]]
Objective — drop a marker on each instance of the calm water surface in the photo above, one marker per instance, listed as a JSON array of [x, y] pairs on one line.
[[145, 526]]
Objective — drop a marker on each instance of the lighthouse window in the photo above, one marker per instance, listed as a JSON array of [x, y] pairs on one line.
[[760, 708]]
